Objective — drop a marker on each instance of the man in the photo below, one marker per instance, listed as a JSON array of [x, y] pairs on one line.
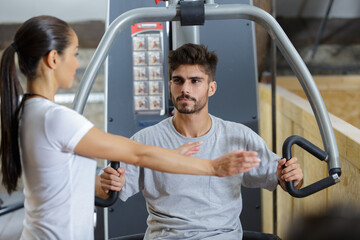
[[197, 207]]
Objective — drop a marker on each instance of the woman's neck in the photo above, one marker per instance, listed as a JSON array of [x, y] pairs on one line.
[[43, 85], [40, 89]]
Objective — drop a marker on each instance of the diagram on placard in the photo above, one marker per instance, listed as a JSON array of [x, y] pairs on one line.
[[148, 76]]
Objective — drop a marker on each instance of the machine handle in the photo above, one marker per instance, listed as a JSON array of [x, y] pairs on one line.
[[113, 195], [315, 151]]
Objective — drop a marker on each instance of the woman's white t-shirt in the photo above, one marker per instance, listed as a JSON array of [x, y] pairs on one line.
[[58, 184]]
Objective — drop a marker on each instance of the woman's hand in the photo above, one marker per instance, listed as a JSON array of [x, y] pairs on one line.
[[235, 162], [188, 149]]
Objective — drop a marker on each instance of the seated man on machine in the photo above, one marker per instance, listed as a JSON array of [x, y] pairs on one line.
[[197, 207]]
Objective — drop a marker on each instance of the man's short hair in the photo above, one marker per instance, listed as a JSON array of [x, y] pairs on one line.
[[194, 54]]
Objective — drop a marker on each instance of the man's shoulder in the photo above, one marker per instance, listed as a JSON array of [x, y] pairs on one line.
[[231, 128], [229, 124]]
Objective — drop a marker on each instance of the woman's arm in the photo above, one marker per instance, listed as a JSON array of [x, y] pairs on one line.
[[98, 144]]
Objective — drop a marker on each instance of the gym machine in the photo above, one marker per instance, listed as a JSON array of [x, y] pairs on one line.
[[136, 68]]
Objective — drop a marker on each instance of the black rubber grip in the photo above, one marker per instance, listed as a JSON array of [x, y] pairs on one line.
[[192, 13], [315, 151], [305, 144], [311, 189]]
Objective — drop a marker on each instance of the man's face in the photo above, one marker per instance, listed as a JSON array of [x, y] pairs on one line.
[[190, 89]]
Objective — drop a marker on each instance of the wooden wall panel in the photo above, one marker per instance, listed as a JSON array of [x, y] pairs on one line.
[[265, 130], [267, 211], [265, 126], [284, 201], [335, 90], [295, 117], [348, 190]]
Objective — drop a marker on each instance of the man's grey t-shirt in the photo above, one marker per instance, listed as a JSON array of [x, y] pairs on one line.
[[198, 207]]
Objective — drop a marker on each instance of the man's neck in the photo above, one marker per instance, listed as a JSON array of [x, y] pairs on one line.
[[192, 125]]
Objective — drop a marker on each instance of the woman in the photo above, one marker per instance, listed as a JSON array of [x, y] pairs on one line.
[[58, 144]]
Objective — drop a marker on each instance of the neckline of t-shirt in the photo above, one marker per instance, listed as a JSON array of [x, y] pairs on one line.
[[201, 138], [34, 99]]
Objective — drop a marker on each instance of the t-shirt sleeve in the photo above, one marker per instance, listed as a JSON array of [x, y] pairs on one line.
[[64, 128], [264, 175]]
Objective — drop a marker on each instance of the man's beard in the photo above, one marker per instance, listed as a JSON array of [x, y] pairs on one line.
[[182, 107]]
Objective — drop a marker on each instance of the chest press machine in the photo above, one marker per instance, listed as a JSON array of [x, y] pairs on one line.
[[190, 14]]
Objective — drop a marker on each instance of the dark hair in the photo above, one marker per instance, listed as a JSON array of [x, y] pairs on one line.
[[33, 40], [338, 222], [193, 54]]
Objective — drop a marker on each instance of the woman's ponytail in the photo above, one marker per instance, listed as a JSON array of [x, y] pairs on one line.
[[10, 90]]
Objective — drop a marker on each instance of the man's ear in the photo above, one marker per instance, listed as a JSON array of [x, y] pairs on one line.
[[51, 59], [212, 88]]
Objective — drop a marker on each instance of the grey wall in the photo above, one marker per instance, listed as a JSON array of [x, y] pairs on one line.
[[16, 11], [317, 8]]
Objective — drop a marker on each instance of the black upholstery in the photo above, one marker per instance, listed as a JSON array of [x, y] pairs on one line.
[[248, 235]]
